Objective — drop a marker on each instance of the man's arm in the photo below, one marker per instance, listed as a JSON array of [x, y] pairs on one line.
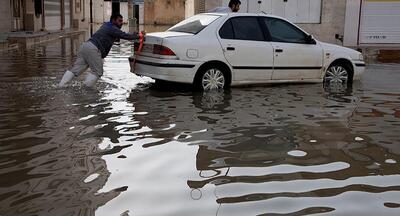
[[118, 33]]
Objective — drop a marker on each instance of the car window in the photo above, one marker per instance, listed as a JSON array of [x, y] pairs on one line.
[[194, 24], [283, 31], [226, 31], [246, 28]]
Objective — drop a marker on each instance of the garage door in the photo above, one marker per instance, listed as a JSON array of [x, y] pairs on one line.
[[67, 9], [380, 22], [52, 13]]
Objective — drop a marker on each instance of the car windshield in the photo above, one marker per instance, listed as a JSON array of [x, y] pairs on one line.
[[194, 24]]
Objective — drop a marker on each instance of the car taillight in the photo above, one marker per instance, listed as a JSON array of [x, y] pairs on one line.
[[162, 50]]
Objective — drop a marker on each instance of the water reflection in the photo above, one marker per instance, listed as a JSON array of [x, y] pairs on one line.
[[132, 148], [247, 138]]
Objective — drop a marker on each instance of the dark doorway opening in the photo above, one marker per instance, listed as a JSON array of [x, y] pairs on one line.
[[115, 7], [137, 14]]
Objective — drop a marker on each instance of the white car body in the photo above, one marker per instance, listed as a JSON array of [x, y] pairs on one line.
[[246, 61]]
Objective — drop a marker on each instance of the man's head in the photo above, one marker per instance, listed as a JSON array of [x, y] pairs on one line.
[[235, 5], [117, 20]]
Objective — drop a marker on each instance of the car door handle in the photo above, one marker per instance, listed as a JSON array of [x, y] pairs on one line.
[[279, 50], [230, 48]]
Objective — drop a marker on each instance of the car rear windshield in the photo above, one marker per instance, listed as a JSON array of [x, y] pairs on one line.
[[194, 24]]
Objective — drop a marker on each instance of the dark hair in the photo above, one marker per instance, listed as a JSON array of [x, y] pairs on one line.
[[234, 2], [115, 16]]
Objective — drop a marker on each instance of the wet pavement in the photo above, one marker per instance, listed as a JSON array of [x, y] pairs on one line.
[[129, 148]]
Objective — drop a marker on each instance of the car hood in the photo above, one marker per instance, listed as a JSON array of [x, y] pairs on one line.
[[353, 54]]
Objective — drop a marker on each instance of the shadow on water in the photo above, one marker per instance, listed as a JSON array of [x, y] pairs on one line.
[[132, 147]]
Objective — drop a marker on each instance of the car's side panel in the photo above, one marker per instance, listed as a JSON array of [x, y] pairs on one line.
[[250, 60], [294, 61]]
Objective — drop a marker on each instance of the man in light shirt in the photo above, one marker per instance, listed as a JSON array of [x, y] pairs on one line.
[[233, 7]]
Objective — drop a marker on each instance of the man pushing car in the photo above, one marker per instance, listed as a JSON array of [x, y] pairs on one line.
[[93, 51]]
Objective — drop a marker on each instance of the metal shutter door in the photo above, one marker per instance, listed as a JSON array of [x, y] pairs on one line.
[[380, 22]]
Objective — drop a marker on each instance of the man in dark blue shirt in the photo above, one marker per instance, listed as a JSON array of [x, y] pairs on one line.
[[93, 51]]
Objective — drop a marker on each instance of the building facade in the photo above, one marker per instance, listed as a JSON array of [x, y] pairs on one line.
[[44, 15], [129, 9], [372, 22], [353, 23], [163, 12], [5, 22]]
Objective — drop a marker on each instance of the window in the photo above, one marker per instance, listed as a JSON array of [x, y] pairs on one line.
[[247, 28], [226, 31], [282, 31], [194, 24], [242, 28]]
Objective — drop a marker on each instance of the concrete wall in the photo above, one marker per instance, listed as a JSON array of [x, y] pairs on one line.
[[352, 23], [332, 22], [81, 19], [124, 11], [164, 12], [5, 21], [141, 14], [193, 7], [210, 4], [189, 8], [98, 11]]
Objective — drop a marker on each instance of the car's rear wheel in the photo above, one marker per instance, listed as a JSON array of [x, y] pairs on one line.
[[211, 79], [338, 74]]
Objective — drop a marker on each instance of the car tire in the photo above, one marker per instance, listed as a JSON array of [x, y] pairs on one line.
[[338, 74], [211, 78]]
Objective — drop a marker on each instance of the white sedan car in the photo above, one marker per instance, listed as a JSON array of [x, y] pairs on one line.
[[216, 51]]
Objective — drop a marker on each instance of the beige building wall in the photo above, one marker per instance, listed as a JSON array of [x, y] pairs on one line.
[[189, 8], [5, 22], [81, 13], [332, 22], [210, 4], [352, 23], [162, 12], [193, 7]]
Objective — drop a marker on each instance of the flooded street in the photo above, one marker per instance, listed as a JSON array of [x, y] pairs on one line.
[[129, 148]]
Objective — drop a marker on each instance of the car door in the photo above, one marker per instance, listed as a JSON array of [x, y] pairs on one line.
[[246, 49], [296, 57]]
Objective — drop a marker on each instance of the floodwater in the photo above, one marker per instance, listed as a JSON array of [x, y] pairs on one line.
[[128, 148]]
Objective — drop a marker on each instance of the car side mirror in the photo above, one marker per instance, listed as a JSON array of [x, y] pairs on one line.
[[310, 40]]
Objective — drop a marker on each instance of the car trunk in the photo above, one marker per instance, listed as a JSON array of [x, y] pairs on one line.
[[155, 40]]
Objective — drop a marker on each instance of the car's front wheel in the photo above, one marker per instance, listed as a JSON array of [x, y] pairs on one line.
[[211, 78], [338, 74]]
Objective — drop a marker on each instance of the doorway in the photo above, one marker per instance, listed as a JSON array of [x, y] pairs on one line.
[[116, 9]]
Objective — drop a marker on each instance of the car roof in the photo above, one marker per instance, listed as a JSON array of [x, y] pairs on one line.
[[244, 14]]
